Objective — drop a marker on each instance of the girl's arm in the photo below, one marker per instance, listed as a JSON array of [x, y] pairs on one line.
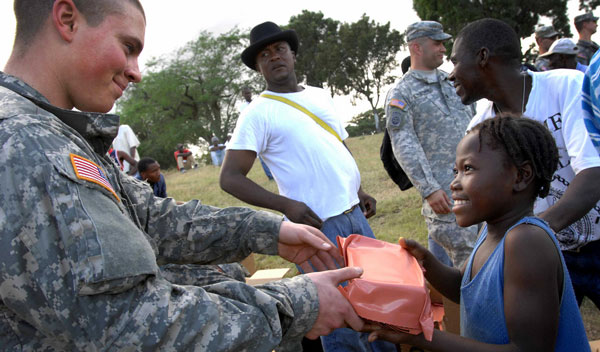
[[532, 283], [445, 279]]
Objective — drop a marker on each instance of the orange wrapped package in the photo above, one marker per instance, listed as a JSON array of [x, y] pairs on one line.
[[392, 289]]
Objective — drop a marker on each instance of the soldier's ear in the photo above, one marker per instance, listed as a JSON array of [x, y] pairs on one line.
[[66, 19]]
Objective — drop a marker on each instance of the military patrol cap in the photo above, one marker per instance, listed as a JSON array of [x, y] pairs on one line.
[[562, 46], [431, 29], [586, 17], [545, 32]]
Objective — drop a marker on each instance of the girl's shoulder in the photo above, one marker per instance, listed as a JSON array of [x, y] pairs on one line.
[[530, 249]]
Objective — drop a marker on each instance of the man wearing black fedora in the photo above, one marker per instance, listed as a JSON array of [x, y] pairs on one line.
[[298, 132]]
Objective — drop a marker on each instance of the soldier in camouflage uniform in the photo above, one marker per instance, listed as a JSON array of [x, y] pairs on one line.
[[544, 37], [586, 25], [425, 121], [80, 242]]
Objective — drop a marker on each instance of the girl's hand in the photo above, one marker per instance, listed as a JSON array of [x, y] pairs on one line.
[[413, 247], [379, 333]]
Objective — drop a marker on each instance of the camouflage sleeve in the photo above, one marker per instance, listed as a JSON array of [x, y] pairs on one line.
[[77, 274], [202, 234], [407, 148]]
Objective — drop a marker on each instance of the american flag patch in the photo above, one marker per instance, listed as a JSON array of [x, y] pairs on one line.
[[88, 170], [398, 103]]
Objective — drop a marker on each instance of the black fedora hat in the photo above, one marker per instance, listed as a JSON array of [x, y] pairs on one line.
[[263, 35]]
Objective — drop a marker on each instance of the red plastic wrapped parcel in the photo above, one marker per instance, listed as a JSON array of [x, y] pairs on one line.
[[392, 289]]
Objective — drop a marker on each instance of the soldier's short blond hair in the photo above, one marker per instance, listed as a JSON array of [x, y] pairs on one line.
[[32, 14]]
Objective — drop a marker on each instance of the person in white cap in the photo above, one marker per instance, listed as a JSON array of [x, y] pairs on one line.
[[562, 54]]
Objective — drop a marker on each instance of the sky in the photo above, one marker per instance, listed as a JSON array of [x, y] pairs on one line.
[[172, 23]]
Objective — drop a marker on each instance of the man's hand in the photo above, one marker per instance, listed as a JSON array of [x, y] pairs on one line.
[[439, 202], [334, 310], [368, 204], [302, 214], [299, 243]]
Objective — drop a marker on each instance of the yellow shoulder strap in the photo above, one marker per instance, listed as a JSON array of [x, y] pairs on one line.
[[304, 110]]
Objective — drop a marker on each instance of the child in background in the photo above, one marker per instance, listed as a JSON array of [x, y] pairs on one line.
[[515, 291], [149, 171]]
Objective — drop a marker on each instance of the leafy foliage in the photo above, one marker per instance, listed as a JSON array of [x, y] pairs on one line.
[[367, 55], [187, 98], [522, 15], [364, 123], [316, 56], [588, 5]]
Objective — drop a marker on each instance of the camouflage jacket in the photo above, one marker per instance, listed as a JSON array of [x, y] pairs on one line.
[[425, 121], [587, 49], [80, 243], [542, 63]]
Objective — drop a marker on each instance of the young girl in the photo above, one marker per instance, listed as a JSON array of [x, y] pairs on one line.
[[515, 291]]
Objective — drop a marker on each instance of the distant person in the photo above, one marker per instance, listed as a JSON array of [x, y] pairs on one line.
[[562, 54], [120, 157], [425, 121], [515, 292], [486, 57], [544, 37], [318, 179], [149, 171], [126, 141], [247, 94], [185, 158], [591, 100], [586, 25], [217, 151]]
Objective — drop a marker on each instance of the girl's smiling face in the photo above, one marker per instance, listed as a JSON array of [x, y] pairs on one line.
[[482, 188]]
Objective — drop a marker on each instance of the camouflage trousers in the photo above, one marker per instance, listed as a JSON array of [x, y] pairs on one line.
[[457, 241]]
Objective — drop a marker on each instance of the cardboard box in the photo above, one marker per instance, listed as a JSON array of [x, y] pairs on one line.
[[266, 275], [249, 264]]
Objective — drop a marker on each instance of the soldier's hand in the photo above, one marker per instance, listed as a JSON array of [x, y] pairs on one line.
[[367, 203], [302, 214], [334, 310], [300, 243], [439, 202]]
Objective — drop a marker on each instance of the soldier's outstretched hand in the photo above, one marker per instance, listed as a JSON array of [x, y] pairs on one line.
[[334, 309], [300, 243]]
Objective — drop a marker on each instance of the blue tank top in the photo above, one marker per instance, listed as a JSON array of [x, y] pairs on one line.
[[482, 300]]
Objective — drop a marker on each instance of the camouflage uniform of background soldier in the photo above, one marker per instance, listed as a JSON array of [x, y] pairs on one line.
[[425, 121], [547, 34], [587, 48], [72, 250]]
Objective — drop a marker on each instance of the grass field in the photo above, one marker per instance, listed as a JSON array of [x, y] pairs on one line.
[[398, 213]]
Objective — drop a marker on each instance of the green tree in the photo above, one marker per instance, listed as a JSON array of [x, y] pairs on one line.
[[588, 5], [522, 15], [316, 56], [364, 123], [366, 56], [188, 97]]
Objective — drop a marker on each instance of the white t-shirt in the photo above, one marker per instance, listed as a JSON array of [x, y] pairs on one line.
[[125, 140], [308, 163], [555, 101]]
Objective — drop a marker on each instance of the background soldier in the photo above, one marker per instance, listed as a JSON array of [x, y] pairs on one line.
[[544, 37], [425, 121], [586, 25]]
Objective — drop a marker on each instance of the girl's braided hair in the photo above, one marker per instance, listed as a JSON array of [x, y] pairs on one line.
[[523, 140]]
